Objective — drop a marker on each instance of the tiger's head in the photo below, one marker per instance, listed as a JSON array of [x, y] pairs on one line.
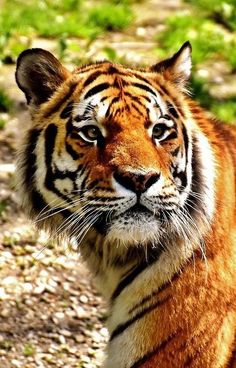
[[115, 150]]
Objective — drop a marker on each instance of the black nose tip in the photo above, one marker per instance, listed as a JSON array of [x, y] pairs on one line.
[[135, 182]]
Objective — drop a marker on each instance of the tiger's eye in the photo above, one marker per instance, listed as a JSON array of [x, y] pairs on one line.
[[158, 131], [90, 133]]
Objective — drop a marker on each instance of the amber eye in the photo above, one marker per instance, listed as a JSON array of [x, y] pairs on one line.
[[90, 133], [158, 131]]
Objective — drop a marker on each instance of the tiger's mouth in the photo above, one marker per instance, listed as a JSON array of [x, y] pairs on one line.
[[138, 211], [136, 224]]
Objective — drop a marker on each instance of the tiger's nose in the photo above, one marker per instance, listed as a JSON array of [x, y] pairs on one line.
[[135, 182]]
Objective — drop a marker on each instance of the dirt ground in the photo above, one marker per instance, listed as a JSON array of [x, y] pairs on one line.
[[50, 313]]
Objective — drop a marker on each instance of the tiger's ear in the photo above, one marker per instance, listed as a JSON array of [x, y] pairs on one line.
[[177, 68], [39, 74]]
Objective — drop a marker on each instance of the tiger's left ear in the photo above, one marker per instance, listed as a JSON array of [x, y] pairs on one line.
[[176, 69]]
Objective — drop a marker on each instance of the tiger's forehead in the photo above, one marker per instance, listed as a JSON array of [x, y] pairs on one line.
[[106, 97], [102, 112]]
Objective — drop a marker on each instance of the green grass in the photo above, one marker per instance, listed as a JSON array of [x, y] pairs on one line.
[[3, 206], [110, 17], [225, 110], [209, 43], [223, 12], [61, 18], [2, 125], [206, 38], [5, 101]]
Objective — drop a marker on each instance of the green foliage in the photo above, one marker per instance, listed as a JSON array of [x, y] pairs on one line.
[[223, 11], [3, 206], [230, 50], [44, 18], [21, 21], [225, 110], [54, 18], [110, 16], [111, 53], [209, 42], [2, 125], [5, 101], [205, 37], [11, 45], [200, 90]]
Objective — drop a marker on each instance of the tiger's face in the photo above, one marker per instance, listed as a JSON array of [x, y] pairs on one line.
[[112, 149]]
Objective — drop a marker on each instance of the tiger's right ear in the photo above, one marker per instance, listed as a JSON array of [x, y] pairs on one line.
[[39, 74]]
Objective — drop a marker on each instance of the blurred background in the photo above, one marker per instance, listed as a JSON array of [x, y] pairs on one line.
[[50, 313]]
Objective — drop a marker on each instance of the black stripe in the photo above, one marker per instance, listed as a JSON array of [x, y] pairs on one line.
[[84, 181], [69, 126], [50, 140], [112, 70], [136, 108], [166, 117], [92, 77], [75, 155], [114, 100], [172, 135], [37, 200], [137, 98], [117, 111], [61, 101], [146, 98], [128, 279], [194, 204], [186, 142], [119, 83], [122, 327], [172, 110], [104, 199], [29, 161], [182, 175], [140, 77], [164, 90], [67, 111], [154, 352], [155, 292], [145, 88], [177, 106], [94, 90], [176, 151], [132, 97]]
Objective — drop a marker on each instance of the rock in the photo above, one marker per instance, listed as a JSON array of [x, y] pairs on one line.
[[83, 299], [3, 294], [39, 289]]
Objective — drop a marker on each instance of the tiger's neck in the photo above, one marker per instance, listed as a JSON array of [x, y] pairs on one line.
[[162, 305], [117, 271]]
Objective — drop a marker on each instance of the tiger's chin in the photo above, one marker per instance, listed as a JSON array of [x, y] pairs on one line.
[[134, 228]]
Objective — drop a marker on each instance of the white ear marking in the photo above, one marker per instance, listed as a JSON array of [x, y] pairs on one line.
[[183, 62], [177, 68]]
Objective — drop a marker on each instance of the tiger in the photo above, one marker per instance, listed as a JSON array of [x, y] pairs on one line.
[[121, 161]]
